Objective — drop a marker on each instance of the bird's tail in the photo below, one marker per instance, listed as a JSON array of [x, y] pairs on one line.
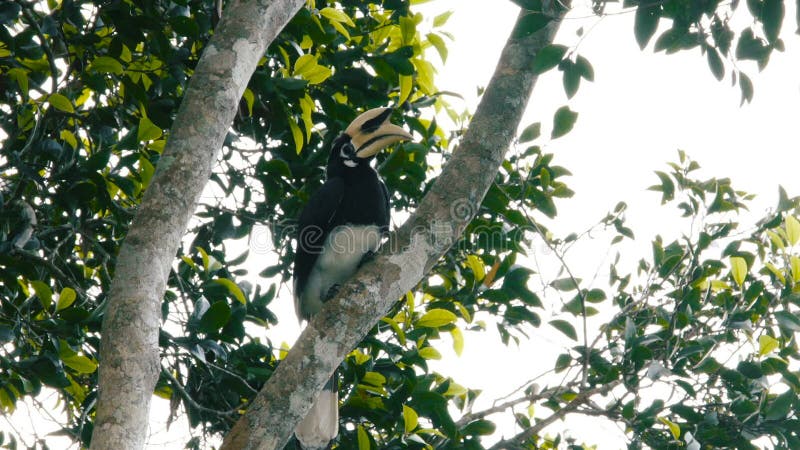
[[321, 425]]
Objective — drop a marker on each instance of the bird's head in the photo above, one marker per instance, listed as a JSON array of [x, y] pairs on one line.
[[366, 135]]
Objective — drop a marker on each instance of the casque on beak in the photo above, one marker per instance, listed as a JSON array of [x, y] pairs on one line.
[[371, 131]]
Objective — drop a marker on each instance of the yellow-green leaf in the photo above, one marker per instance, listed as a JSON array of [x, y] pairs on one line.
[[455, 390], [297, 135], [792, 230], [334, 15], [148, 131], [425, 73], [163, 391], [673, 427], [410, 419], [60, 102], [233, 288], [341, 29], [775, 271], [146, 170], [429, 353], [304, 63], [401, 335], [80, 363], [363, 439], [307, 107], [406, 82], [373, 379], [65, 298], [766, 344], [318, 74], [738, 269], [475, 264], [777, 240], [6, 404], [438, 43], [464, 312], [106, 64], [795, 263], [21, 77], [44, 293], [249, 99], [458, 340], [69, 138], [442, 18], [436, 318]]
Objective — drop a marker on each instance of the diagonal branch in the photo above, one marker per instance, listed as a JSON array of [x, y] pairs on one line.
[[411, 252]]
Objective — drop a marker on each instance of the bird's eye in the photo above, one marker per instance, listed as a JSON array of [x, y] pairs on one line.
[[348, 151]]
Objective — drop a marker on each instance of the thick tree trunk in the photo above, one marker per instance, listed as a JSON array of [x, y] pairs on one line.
[[412, 251], [129, 364]]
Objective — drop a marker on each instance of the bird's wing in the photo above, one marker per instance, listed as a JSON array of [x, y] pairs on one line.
[[313, 228]]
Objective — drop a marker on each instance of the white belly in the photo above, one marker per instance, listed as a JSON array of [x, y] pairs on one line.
[[344, 249]]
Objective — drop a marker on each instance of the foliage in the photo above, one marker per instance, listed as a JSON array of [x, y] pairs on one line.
[[88, 92]]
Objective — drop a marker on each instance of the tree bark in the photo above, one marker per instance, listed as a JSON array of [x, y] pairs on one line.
[[411, 252], [129, 358]]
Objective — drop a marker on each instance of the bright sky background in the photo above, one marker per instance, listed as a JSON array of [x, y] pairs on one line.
[[640, 109]]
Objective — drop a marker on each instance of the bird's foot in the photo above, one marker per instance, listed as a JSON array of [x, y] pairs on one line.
[[332, 291]]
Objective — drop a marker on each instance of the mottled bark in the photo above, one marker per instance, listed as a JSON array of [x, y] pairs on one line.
[[129, 363], [412, 251]]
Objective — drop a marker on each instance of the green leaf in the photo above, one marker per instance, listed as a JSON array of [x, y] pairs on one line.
[[565, 284], [530, 132], [233, 288], [788, 320], [772, 12], [481, 427], [410, 419], [781, 406], [571, 79], [363, 439], [65, 298], [106, 64], [530, 23], [646, 23], [548, 57], [566, 328], [738, 269], [216, 317], [249, 99], [148, 131], [436, 318], [584, 68], [563, 121], [715, 63], [60, 103], [44, 293], [792, 230]]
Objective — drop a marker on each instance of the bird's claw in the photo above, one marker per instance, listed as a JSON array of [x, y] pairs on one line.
[[332, 291]]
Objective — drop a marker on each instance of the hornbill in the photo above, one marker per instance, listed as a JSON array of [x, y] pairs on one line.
[[343, 222]]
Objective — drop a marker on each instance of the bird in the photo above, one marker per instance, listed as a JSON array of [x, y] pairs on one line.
[[342, 224]]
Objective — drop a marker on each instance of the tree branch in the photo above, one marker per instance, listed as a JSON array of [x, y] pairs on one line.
[[410, 253], [129, 353]]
